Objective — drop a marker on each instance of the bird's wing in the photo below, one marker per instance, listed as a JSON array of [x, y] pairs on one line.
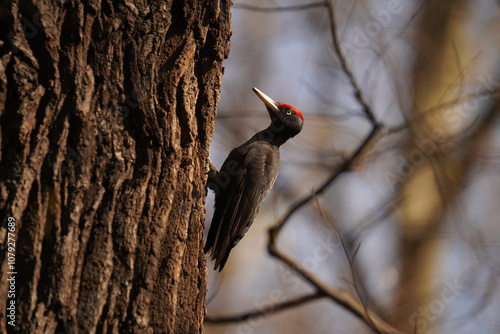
[[238, 206]]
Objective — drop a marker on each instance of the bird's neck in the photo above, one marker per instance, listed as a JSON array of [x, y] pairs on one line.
[[276, 134]]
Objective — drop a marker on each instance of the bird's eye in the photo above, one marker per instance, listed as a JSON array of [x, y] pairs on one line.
[[288, 112]]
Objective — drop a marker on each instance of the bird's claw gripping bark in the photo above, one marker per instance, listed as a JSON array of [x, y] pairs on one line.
[[211, 171]]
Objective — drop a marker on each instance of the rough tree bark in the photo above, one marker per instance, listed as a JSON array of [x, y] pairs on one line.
[[107, 111]]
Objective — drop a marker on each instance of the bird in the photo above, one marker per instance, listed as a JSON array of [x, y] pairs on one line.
[[246, 178]]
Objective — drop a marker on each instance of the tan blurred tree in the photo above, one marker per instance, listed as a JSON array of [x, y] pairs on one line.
[[436, 173]]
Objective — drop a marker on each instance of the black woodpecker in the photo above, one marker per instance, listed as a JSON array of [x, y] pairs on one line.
[[246, 178]]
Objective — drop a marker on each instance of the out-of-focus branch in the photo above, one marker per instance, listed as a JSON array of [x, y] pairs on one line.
[[280, 9], [267, 310]]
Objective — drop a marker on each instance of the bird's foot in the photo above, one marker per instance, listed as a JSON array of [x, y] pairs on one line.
[[211, 171]]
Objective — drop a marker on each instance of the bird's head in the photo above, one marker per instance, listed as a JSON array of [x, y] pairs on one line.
[[283, 113]]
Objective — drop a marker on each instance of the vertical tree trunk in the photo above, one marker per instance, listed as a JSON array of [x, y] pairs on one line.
[[107, 112], [434, 177]]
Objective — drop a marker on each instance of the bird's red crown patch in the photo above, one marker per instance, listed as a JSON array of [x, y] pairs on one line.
[[297, 111]]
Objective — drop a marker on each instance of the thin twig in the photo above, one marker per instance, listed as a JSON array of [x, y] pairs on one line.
[[422, 116], [350, 260], [358, 94]]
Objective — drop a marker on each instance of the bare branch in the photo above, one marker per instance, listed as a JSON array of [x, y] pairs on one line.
[[275, 308], [280, 9], [342, 297]]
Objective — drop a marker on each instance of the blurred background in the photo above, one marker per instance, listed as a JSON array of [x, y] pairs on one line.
[[419, 213]]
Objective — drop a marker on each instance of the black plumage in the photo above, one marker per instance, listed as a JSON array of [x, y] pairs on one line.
[[246, 178]]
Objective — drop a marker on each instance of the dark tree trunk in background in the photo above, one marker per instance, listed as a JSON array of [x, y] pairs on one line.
[[107, 111]]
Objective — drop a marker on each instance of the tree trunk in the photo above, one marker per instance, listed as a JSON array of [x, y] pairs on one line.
[[107, 111], [434, 178]]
